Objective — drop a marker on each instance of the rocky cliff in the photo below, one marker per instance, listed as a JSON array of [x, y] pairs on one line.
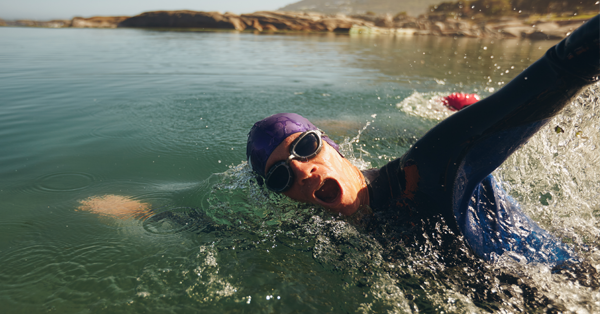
[[505, 27], [349, 7], [32, 23], [78, 22], [261, 21], [401, 24], [97, 21], [439, 25], [184, 19]]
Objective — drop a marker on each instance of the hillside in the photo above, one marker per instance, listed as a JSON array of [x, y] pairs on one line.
[[412, 7]]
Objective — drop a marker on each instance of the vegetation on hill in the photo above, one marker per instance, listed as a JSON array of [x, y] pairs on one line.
[[351, 7], [462, 8], [510, 7]]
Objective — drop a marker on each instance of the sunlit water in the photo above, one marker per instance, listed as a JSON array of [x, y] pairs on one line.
[[162, 117]]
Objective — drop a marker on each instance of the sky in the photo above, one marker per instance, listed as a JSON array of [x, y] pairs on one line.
[[67, 9]]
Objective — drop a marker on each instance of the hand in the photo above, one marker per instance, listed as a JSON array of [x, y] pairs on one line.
[[120, 207]]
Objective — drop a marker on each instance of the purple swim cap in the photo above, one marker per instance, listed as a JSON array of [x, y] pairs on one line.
[[269, 132]]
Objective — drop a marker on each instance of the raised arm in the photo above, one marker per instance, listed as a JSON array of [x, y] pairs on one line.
[[457, 154]]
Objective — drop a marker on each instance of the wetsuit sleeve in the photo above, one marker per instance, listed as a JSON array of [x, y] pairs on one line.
[[456, 155]]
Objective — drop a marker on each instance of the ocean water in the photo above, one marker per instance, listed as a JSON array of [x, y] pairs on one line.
[[161, 118]]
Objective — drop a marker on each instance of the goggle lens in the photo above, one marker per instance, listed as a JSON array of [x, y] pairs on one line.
[[307, 146], [280, 177]]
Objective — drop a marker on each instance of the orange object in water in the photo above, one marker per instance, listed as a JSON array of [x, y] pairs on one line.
[[457, 101]]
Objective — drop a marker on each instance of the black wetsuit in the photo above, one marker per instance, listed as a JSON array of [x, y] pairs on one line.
[[447, 172]]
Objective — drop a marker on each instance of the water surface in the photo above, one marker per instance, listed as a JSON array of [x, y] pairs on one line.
[[162, 118]]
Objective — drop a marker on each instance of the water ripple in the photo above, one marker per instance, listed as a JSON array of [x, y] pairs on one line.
[[175, 220], [64, 182], [119, 131], [64, 273]]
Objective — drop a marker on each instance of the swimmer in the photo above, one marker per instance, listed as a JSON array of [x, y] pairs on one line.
[[445, 175]]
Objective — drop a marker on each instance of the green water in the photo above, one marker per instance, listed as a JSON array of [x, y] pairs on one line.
[[162, 117]]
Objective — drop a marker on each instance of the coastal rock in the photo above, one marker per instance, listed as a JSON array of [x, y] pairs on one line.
[[459, 28], [399, 25], [300, 21], [97, 21], [32, 23], [505, 27], [535, 31], [409, 24], [27, 23], [185, 19], [571, 24], [538, 35], [366, 17], [2, 22], [57, 23], [546, 31], [267, 20], [260, 21], [513, 31], [385, 21]]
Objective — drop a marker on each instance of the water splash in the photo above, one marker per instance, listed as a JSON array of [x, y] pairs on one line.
[[425, 105], [260, 220], [348, 145], [238, 197], [556, 178]]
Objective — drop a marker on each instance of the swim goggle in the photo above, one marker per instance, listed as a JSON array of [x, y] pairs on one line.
[[280, 177]]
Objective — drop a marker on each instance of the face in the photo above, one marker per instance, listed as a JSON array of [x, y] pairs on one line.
[[327, 179]]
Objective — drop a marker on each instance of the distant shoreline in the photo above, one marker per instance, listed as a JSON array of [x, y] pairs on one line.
[[276, 21]]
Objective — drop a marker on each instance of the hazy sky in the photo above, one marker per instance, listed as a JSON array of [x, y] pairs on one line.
[[66, 9]]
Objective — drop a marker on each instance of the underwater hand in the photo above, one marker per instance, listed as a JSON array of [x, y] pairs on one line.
[[120, 207]]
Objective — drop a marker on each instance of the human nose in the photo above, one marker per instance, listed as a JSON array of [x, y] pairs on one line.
[[303, 170]]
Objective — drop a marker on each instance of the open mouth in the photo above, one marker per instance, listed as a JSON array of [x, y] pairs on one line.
[[329, 191]]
